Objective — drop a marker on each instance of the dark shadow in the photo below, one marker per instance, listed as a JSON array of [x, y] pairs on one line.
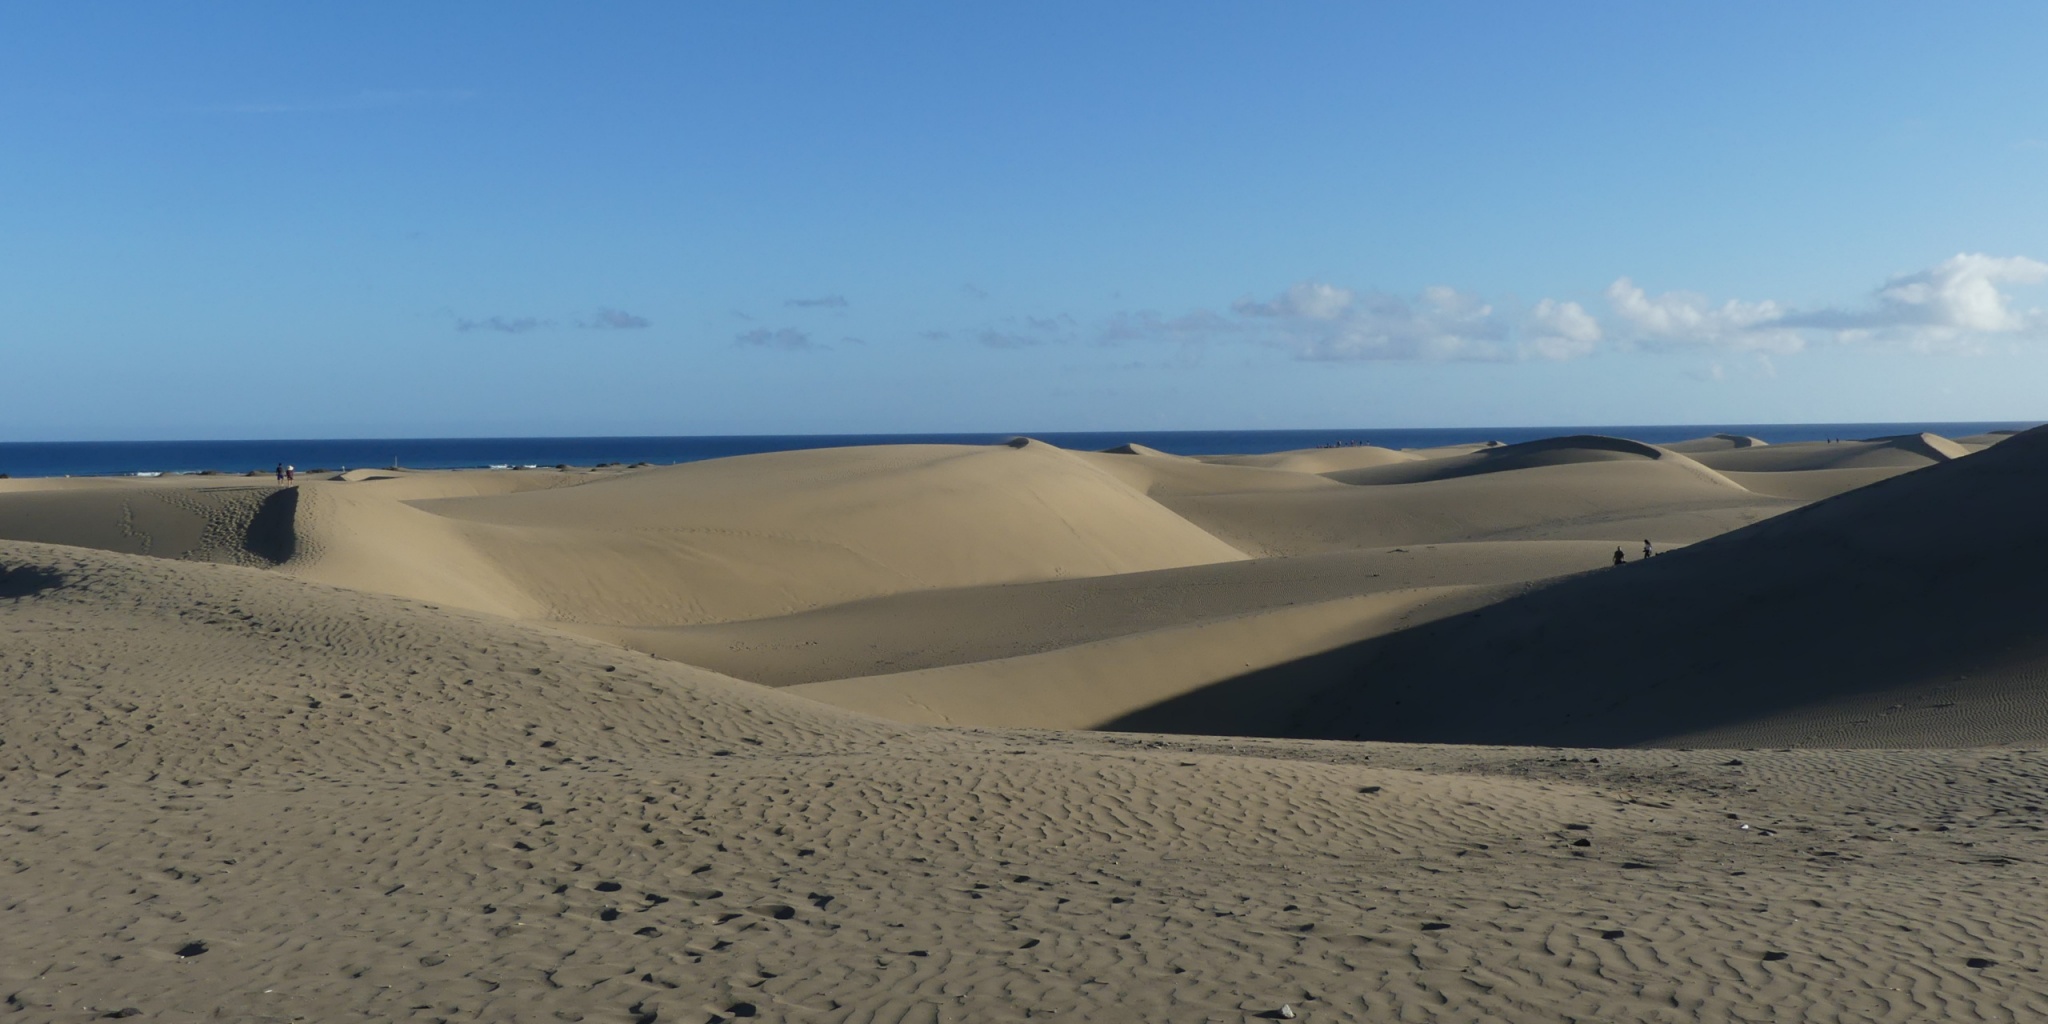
[[1929, 580], [28, 581], [273, 532]]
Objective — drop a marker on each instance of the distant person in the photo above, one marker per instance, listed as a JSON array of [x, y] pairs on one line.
[[1648, 550], [1619, 557], [280, 472], [291, 474]]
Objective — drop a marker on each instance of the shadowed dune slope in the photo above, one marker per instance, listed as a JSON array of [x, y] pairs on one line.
[[242, 524], [1907, 613]]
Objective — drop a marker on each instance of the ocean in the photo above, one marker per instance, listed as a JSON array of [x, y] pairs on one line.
[[113, 458]]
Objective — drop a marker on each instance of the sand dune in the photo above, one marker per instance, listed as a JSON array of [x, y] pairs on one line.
[[1139, 449], [1100, 683], [773, 534], [215, 521], [962, 626], [735, 538], [1911, 451], [1318, 460], [1985, 440], [1625, 499], [1715, 443], [1814, 484], [1904, 613], [1575, 450], [331, 754], [233, 794]]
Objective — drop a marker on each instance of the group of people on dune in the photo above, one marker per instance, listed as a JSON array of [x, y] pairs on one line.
[[1648, 550]]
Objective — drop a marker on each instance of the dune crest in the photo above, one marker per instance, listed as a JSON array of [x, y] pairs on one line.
[[1318, 460], [1901, 453], [1715, 443], [1139, 449]]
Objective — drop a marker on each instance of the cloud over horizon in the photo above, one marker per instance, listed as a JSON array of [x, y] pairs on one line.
[[821, 302], [1961, 304]]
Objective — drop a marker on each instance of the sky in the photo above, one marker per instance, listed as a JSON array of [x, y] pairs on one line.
[[223, 220]]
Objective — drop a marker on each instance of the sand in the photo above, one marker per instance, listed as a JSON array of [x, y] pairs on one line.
[[807, 737]]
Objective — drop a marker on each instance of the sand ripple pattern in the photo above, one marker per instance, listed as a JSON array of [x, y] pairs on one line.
[[234, 796]]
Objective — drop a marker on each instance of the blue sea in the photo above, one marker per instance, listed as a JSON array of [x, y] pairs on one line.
[[110, 458]]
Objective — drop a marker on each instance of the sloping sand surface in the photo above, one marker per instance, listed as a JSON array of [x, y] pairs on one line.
[[1814, 484], [1715, 443], [1985, 440], [1100, 684], [1615, 500], [1906, 613], [234, 795], [1318, 460], [236, 523], [1557, 451], [933, 628], [773, 534], [1911, 451]]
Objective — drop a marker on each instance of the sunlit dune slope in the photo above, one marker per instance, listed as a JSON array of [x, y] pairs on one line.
[[1714, 443], [1604, 489], [236, 795], [782, 532], [1573, 450], [925, 629], [1318, 460], [1905, 613], [1909, 451], [702, 542]]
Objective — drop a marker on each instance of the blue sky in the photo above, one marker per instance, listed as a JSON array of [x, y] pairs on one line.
[[249, 220]]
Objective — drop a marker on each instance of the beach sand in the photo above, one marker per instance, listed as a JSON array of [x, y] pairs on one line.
[[958, 734]]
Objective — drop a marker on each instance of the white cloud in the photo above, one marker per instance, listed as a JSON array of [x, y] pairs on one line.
[[1561, 330], [1683, 318], [1962, 292], [1309, 300], [1961, 304], [1322, 322]]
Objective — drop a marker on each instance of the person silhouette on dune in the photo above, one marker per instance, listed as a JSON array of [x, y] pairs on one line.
[[1619, 557], [1648, 550]]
